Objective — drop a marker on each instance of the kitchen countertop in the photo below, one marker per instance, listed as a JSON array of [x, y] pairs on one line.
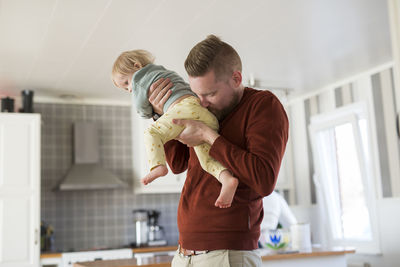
[[164, 261], [315, 252], [134, 250], [44, 255], [154, 249]]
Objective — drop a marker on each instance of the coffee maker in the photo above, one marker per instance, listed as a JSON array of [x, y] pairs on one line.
[[148, 232], [27, 101], [156, 232], [141, 227]]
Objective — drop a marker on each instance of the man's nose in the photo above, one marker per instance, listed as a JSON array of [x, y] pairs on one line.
[[203, 102]]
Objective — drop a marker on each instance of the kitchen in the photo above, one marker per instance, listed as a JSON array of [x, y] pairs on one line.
[[314, 56]]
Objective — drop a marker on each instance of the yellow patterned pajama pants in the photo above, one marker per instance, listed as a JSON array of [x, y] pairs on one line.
[[163, 130]]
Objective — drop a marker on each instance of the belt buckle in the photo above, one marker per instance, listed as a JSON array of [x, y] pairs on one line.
[[194, 252], [181, 253]]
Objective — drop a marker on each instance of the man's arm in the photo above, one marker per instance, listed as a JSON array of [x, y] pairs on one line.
[[158, 94], [258, 165], [266, 135], [195, 133]]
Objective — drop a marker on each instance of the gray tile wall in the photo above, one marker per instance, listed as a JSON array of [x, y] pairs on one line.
[[101, 218]]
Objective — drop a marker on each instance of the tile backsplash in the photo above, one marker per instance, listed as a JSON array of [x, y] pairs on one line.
[[99, 218]]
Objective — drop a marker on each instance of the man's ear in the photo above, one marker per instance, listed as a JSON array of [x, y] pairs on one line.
[[138, 65], [237, 78]]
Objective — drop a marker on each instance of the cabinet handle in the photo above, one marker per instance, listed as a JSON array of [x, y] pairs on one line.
[[36, 236]]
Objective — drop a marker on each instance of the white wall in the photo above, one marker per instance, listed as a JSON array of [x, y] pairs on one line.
[[369, 86], [389, 229]]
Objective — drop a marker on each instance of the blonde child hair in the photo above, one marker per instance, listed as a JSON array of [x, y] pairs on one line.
[[128, 62]]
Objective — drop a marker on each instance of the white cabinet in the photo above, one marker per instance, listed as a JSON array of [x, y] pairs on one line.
[[170, 183], [325, 261], [51, 262], [19, 190], [69, 258]]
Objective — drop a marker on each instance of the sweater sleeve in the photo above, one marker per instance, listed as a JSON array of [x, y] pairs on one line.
[[266, 136], [177, 155], [144, 107]]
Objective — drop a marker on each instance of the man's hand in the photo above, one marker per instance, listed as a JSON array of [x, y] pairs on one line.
[[195, 133], [159, 92]]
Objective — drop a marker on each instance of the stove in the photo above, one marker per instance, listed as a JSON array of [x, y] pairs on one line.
[[69, 258]]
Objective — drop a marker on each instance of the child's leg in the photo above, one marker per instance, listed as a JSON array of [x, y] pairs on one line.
[[164, 130], [155, 154], [156, 172], [229, 185], [228, 181], [155, 137]]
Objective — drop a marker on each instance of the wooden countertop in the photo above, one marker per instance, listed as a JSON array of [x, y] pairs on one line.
[[44, 255], [315, 252], [165, 261], [154, 249]]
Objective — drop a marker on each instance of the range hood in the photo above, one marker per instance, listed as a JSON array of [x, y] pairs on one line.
[[86, 172]]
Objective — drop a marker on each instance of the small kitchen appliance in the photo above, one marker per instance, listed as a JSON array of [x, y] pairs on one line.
[[7, 104], [141, 227], [156, 232], [27, 101], [46, 237], [148, 232]]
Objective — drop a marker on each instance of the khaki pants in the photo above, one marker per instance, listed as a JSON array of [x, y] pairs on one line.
[[164, 130], [219, 258]]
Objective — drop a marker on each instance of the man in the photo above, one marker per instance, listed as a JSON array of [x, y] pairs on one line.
[[250, 143]]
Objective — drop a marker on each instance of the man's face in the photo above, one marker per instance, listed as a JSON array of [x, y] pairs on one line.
[[219, 97]]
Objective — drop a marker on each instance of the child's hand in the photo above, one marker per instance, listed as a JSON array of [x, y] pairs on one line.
[[159, 92]]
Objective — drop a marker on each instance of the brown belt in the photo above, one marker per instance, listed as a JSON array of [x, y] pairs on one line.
[[187, 252]]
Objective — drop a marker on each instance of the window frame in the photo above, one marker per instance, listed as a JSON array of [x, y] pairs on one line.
[[352, 113]]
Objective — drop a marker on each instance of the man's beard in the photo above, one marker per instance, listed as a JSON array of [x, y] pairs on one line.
[[222, 113]]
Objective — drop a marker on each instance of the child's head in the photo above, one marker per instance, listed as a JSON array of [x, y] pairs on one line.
[[127, 64]]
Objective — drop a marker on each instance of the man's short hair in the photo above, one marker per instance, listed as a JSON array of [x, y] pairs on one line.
[[212, 54]]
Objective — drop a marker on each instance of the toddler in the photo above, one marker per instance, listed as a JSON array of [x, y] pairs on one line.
[[134, 71]]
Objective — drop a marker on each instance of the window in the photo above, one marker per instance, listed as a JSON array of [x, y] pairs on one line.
[[344, 175]]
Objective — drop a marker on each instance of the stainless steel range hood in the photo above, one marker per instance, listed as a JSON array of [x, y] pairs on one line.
[[86, 172]]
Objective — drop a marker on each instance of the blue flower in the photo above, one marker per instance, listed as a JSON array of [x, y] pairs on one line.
[[275, 239]]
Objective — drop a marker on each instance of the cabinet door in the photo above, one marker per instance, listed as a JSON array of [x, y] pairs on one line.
[[170, 183], [19, 190]]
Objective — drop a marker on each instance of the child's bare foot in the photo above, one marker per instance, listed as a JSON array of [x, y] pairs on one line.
[[229, 185], [156, 172]]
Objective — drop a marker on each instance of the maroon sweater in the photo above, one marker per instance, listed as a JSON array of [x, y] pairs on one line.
[[252, 143]]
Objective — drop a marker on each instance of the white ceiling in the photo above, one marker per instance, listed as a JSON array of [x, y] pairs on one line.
[[60, 47]]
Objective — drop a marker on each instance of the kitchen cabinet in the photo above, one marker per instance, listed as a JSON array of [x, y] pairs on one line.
[[19, 190], [333, 257], [316, 257], [170, 183], [51, 261], [141, 255]]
